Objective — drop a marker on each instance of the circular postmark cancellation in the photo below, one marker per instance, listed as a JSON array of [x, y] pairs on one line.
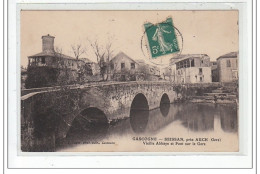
[[162, 40]]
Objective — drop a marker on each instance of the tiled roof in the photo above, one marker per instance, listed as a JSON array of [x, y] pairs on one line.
[[186, 56], [122, 54], [53, 54], [229, 55], [44, 53]]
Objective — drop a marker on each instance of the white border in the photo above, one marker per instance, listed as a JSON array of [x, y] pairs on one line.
[[241, 160]]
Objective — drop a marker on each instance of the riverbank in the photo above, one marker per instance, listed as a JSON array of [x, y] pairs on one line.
[[224, 93]]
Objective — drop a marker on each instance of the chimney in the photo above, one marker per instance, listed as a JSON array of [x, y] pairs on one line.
[[48, 43]]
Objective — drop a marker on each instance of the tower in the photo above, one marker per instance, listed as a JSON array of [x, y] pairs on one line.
[[48, 43]]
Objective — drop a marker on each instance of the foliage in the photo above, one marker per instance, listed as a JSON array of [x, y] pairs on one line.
[[84, 72], [41, 77], [143, 72]]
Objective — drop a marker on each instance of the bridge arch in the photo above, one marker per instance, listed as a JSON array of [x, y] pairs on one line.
[[165, 104], [139, 113], [140, 102], [90, 120]]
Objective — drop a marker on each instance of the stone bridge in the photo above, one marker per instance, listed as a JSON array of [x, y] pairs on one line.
[[51, 111], [49, 114]]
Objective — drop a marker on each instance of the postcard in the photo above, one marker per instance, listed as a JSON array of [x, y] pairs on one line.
[[129, 81]]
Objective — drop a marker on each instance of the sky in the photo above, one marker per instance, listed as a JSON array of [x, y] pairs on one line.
[[204, 32]]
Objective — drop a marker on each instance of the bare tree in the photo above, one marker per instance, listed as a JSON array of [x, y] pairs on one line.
[[103, 57], [108, 57], [78, 50]]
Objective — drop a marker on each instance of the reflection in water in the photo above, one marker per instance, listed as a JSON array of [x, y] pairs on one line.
[[165, 105], [139, 113], [196, 117], [199, 117], [164, 108], [228, 118], [139, 120]]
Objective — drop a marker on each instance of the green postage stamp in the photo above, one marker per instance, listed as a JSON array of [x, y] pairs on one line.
[[161, 38]]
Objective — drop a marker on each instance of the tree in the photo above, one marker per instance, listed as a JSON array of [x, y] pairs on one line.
[[63, 77], [83, 70], [114, 70], [108, 57], [143, 72], [103, 57], [78, 50]]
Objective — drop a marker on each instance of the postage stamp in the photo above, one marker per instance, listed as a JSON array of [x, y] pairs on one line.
[[161, 38]]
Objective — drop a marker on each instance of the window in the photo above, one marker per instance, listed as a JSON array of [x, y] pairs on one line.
[[181, 64], [200, 70], [228, 63], [122, 65], [192, 63], [178, 65], [201, 79], [132, 65], [188, 63], [43, 59], [185, 64], [112, 66], [30, 61]]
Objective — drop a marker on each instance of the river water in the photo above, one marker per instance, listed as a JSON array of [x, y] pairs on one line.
[[178, 127]]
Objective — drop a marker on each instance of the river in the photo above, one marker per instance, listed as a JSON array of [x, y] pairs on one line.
[[177, 127]]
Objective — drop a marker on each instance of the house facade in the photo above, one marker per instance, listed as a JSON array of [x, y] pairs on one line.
[[49, 68], [123, 68], [191, 68], [48, 57], [228, 67]]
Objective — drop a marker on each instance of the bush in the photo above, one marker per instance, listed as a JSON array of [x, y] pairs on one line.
[[41, 77]]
